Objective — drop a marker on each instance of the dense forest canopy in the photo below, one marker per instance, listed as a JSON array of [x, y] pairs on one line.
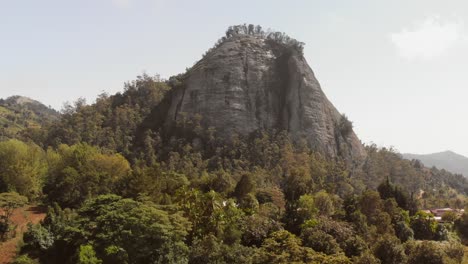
[[119, 192]]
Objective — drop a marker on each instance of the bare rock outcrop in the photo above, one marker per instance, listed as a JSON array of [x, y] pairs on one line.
[[251, 82]]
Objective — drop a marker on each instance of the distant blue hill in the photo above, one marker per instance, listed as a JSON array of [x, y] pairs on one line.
[[448, 160]]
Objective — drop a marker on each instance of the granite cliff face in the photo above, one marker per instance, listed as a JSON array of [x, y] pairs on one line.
[[249, 83]]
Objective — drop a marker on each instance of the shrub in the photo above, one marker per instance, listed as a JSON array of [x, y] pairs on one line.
[[24, 259]]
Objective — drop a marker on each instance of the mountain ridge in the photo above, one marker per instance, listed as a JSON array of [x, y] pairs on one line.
[[448, 160]]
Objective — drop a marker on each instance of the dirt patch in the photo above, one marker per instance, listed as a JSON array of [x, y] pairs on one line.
[[21, 217]]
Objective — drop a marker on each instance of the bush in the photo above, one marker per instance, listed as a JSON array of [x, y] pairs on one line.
[[37, 237], [345, 126], [320, 241], [403, 231], [389, 250], [427, 252], [366, 258], [449, 216], [87, 255], [424, 226], [455, 251], [441, 233], [24, 259]]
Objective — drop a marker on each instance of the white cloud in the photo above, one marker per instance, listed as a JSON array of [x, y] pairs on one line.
[[428, 39]]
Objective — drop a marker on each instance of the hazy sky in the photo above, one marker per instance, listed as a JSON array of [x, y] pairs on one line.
[[398, 69]]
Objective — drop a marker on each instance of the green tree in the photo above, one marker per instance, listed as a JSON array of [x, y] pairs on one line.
[[424, 226], [320, 241], [441, 233], [403, 231], [87, 255], [82, 171], [370, 204], [145, 233], [23, 168], [387, 190], [366, 258], [36, 239], [306, 208], [324, 203], [389, 250], [212, 250], [257, 228], [283, 247], [449, 216], [426, 252], [454, 250], [155, 182], [119, 230], [244, 186]]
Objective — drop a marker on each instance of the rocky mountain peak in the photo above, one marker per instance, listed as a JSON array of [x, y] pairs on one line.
[[254, 80]]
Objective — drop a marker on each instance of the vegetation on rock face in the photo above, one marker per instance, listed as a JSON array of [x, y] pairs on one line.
[[278, 38], [345, 126], [120, 192]]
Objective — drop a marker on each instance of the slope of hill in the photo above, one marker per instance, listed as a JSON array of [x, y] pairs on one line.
[[447, 160], [18, 113]]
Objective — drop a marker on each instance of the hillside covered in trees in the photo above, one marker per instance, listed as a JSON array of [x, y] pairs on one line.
[[19, 114], [448, 160], [120, 189]]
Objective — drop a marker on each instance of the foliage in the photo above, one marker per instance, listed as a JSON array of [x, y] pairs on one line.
[[279, 38], [366, 258], [23, 168], [86, 255], [345, 126], [81, 171], [211, 250], [320, 241], [324, 203], [431, 252], [449, 216], [424, 226], [257, 228], [387, 190], [382, 164], [244, 186], [112, 122], [403, 231], [461, 225], [144, 232], [121, 230], [389, 251], [24, 259], [37, 237], [283, 247]]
